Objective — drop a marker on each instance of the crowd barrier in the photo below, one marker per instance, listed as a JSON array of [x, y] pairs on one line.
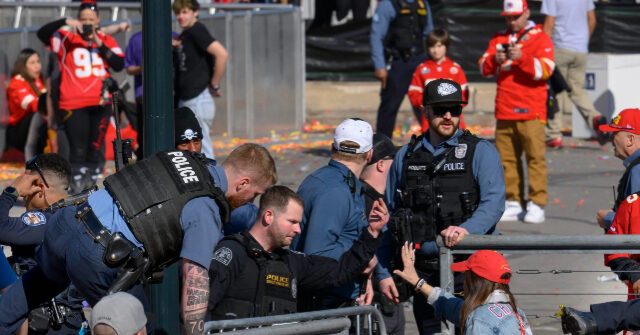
[[532, 244], [332, 321], [263, 86]]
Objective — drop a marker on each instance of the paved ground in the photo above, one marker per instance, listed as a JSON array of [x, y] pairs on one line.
[[581, 176]]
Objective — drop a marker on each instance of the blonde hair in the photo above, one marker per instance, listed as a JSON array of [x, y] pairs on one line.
[[253, 160], [348, 156]]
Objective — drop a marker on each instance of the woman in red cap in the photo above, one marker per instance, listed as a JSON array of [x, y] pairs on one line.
[[488, 307]]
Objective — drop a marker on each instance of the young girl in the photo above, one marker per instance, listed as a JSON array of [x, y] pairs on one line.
[[488, 307], [23, 94], [439, 66]]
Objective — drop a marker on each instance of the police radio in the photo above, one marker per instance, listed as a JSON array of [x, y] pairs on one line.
[[122, 151]]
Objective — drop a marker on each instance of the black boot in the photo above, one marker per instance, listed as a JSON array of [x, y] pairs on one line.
[[575, 322]]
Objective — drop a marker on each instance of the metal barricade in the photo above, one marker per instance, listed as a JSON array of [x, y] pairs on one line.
[[532, 244], [263, 85], [332, 321]]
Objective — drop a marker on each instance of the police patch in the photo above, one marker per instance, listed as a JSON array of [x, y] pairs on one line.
[[461, 150], [33, 218], [223, 255], [417, 168]]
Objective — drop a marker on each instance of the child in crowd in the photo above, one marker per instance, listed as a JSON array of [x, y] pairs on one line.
[[439, 66]]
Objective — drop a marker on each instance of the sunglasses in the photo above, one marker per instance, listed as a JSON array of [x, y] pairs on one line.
[[32, 164], [455, 111]]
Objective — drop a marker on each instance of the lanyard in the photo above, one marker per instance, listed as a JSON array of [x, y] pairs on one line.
[[522, 332]]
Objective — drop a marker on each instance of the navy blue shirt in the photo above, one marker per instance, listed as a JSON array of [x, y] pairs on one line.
[[26, 230], [487, 172], [333, 218], [200, 221], [385, 14], [241, 219], [632, 186]]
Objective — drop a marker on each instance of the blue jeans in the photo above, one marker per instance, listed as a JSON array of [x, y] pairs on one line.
[[67, 255]]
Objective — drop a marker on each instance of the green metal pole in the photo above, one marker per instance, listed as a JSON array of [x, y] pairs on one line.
[[158, 135]]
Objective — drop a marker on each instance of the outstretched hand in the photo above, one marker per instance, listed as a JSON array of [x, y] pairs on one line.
[[378, 217], [408, 273]]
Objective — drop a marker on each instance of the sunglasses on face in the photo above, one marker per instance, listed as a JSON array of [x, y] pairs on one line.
[[32, 164], [442, 110]]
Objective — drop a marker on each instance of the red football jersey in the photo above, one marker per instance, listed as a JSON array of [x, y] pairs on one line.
[[23, 100], [626, 222], [82, 68]]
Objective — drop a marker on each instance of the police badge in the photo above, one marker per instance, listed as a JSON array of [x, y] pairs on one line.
[[461, 150]]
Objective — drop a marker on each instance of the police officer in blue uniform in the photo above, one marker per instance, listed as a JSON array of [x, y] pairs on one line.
[[188, 136], [255, 276], [334, 207], [169, 206], [398, 30], [446, 182], [45, 182]]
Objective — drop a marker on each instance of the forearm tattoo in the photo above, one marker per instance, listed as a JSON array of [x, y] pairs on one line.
[[195, 298]]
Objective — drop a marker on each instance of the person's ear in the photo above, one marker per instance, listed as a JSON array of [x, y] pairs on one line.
[[380, 165], [268, 217], [242, 184]]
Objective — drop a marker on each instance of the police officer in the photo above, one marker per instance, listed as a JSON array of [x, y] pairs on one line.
[[445, 182], [253, 275], [188, 136], [398, 30], [167, 207], [45, 181], [334, 208]]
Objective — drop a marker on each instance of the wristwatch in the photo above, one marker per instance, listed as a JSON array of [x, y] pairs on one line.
[[216, 87], [10, 190]]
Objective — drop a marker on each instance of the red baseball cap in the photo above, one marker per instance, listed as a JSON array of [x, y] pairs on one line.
[[488, 264], [514, 7], [627, 120]]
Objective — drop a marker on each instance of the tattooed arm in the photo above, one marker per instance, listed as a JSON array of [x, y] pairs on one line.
[[195, 296]]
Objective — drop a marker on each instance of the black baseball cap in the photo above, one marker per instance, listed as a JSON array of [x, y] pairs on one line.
[[382, 148], [187, 127], [441, 91]]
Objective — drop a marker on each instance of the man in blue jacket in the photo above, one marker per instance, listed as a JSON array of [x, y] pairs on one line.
[[398, 31], [446, 182]]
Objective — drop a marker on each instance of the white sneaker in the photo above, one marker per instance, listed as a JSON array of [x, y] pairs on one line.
[[535, 213], [512, 211]]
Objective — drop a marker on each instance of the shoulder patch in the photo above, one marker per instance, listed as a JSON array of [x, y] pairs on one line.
[[632, 198], [223, 255], [34, 218], [425, 70], [453, 70]]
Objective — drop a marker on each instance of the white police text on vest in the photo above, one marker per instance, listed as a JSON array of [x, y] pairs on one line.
[[454, 166], [183, 167]]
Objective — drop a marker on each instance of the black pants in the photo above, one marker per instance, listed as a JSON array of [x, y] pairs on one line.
[[17, 135], [398, 81], [616, 316]]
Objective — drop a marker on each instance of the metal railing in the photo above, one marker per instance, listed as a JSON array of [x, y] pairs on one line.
[[263, 85], [23, 14], [532, 244], [332, 321]]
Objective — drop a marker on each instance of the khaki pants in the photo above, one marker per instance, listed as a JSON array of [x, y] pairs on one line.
[[572, 66], [512, 139]]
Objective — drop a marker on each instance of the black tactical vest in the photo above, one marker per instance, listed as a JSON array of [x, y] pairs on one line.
[[266, 286], [440, 191], [405, 32], [151, 194]]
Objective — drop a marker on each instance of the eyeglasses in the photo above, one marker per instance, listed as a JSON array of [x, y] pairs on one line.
[[442, 110], [32, 164]]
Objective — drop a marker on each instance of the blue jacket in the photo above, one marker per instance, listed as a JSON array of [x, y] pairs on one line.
[[385, 14], [633, 184], [334, 217], [494, 317], [488, 173]]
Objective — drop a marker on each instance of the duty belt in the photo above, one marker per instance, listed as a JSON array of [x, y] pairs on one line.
[[95, 229]]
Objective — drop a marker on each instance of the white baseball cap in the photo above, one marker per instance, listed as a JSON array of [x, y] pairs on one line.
[[354, 130], [514, 7]]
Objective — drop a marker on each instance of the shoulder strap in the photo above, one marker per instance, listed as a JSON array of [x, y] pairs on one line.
[[524, 33]]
